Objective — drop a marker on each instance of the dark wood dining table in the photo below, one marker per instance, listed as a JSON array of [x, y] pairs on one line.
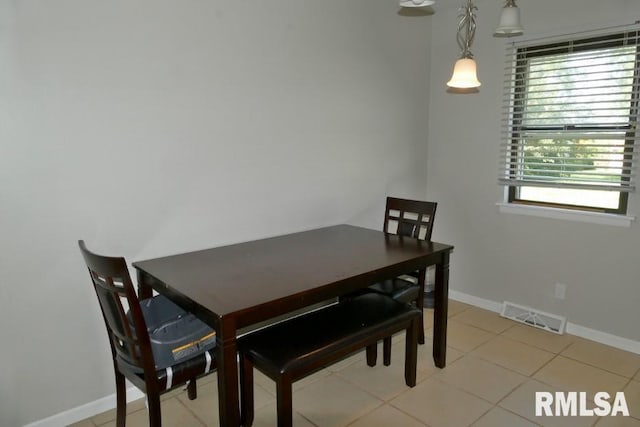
[[239, 285]]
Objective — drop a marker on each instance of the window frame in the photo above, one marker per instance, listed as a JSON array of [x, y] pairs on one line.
[[517, 110]]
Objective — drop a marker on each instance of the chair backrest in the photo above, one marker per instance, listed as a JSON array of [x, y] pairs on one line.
[[412, 218], [128, 334]]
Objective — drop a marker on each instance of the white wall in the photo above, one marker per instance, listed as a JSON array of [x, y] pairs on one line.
[[149, 127], [511, 257]]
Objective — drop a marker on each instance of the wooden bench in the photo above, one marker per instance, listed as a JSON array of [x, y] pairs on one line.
[[298, 347]]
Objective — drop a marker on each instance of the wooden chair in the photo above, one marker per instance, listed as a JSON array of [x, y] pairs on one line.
[[411, 218], [298, 347], [129, 337]]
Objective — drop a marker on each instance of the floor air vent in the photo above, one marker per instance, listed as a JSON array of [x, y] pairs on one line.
[[532, 317]]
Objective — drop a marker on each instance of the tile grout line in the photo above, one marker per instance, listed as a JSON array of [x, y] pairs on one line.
[[189, 410], [595, 366], [366, 413], [511, 369]]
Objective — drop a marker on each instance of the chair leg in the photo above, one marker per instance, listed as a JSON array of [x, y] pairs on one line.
[[155, 415], [386, 351], [285, 402], [121, 400], [246, 392], [372, 354], [411, 353], [192, 389]]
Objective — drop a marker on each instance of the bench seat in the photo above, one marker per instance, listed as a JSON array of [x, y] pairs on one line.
[[298, 347]]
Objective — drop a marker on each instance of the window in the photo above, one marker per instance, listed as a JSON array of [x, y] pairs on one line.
[[571, 109]]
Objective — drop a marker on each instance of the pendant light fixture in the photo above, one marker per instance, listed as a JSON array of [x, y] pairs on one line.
[[464, 71], [416, 3], [509, 25]]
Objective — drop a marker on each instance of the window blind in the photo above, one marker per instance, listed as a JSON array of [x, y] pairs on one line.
[[570, 112]]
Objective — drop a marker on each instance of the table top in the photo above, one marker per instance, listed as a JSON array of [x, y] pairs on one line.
[[255, 280]]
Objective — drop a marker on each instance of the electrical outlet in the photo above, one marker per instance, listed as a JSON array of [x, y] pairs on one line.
[[561, 291]]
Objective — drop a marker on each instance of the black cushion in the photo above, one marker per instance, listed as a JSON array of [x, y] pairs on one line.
[[315, 337], [200, 364], [397, 288]]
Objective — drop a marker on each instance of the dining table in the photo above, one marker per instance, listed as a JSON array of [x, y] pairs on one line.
[[239, 285]]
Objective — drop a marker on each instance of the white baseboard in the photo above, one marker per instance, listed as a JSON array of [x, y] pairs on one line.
[[476, 301], [573, 329], [85, 411], [109, 402], [604, 338]]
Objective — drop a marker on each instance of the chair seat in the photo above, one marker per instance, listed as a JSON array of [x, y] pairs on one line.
[[316, 337], [398, 288]]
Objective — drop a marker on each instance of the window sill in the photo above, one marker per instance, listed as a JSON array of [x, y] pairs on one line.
[[567, 214]]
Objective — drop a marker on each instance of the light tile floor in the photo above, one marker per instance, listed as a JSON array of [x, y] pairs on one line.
[[494, 367]]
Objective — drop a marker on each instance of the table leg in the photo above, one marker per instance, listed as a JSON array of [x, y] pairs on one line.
[[144, 285], [226, 351], [420, 303], [441, 312]]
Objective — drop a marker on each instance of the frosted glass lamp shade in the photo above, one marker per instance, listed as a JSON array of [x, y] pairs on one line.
[[464, 74], [416, 3], [509, 22]]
